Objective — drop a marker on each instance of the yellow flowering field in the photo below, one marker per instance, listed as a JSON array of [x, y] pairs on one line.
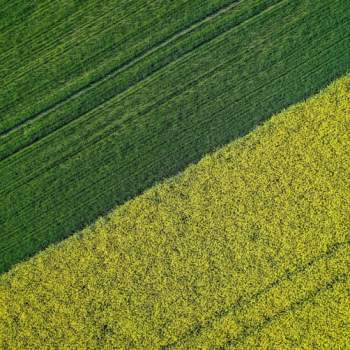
[[247, 249]]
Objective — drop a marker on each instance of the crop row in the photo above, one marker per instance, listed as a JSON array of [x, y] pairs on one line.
[[117, 81], [46, 40], [90, 129], [92, 30], [93, 54]]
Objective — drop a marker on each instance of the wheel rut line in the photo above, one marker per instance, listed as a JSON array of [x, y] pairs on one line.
[[128, 88], [100, 180], [47, 85], [73, 119], [132, 62], [109, 132], [114, 72], [296, 305], [198, 329]]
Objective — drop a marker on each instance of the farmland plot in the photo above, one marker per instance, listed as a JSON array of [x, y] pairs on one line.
[[118, 113]]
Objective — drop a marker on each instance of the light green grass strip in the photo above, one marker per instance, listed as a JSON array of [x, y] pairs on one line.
[[239, 251]]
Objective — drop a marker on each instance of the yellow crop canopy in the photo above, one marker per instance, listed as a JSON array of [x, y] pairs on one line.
[[247, 249]]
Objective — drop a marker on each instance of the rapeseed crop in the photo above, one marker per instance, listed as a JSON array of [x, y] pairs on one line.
[[92, 115], [249, 248]]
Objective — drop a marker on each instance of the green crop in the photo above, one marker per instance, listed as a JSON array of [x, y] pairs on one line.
[[249, 248], [60, 49], [115, 97]]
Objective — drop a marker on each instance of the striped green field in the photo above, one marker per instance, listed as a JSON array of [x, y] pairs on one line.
[[99, 100], [247, 249]]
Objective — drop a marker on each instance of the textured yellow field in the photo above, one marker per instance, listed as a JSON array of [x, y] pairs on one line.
[[249, 248]]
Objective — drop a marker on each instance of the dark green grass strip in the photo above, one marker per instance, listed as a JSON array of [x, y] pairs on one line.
[[42, 128], [115, 82], [178, 90], [60, 37], [91, 53], [123, 137]]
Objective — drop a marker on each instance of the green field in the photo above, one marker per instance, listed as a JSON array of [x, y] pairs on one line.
[[247, 249], [100, 100]]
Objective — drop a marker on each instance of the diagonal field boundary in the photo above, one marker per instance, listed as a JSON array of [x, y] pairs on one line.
[[98, 138], [197, 329], [127, 88]]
